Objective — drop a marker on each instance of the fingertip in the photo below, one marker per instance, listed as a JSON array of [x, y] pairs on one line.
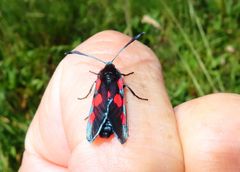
[[209, 128], [211, 100]]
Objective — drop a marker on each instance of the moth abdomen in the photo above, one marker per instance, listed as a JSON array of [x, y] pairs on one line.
[[106, 130]]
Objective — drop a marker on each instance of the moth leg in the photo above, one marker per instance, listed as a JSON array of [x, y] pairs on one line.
[[134, 93], [86, 117], [80, 98], [94, 73], [127, 74]]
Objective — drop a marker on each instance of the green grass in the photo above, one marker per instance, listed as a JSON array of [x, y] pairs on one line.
[[197, 43]]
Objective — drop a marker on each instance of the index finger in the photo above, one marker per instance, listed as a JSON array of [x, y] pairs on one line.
[[56, 139]]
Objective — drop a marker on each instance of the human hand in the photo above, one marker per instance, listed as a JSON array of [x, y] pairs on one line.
[[199, 135]]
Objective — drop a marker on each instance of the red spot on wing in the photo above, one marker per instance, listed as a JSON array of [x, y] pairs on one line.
[[92, 117], [98, 83], [98, 100], [124, 119], [120, 83], [118, 100], [109, 94]]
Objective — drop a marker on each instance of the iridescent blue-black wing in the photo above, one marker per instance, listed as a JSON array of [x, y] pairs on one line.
[[98, 112], [117, 111]]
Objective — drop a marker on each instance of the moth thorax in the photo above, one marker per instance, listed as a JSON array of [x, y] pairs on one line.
[[110, 77], [106, 130]]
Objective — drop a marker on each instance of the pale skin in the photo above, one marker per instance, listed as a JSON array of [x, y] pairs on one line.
[[202, 134]]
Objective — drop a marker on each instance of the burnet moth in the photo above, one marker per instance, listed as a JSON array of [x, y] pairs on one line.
[[108, 111]]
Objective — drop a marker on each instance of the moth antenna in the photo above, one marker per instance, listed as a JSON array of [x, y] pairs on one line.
[[125, 46], [83, 54]]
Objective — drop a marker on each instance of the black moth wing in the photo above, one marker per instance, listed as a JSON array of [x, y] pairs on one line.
[[117, 111], [98, 112]]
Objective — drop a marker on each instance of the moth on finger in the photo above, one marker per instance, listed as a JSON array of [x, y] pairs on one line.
[[108, 111]]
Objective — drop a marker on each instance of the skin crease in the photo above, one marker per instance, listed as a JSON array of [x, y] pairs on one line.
[[200, 135]]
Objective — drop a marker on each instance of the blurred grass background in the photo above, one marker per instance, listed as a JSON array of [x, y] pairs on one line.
[[196, 41]]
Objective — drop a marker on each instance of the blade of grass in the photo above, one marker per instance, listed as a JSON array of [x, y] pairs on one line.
[[192, 76], [204, 40], [194, 79], [127, 12], [200, 28], [3, 160], [190, 44]]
